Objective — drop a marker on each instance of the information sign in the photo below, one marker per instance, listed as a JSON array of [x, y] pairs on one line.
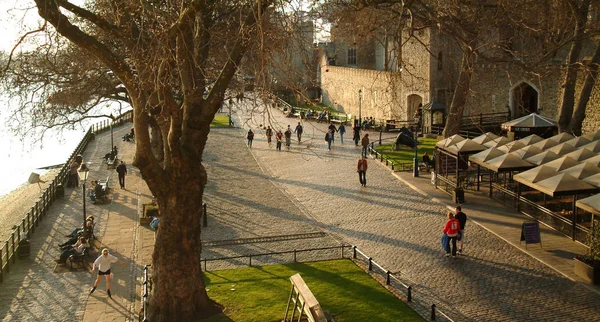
[[530, 233]]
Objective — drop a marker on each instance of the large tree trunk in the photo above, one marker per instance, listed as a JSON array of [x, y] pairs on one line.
[[179, 290], [584, 97], [568, 97], [463, 85]]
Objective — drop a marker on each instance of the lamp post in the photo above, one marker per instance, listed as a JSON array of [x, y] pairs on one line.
[[83, 172], [360, 107], [416, 158], [112, 143]]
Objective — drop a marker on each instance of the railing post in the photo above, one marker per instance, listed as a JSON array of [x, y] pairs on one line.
[[432, 312], [12, 237], [409, 294], [392, 165], [204, 215], [7, 257], [370, 264], [380, 132], [25, 230], [205, 265], [387, 277], [1, 267], [250, 260], [294, 255], [354, 252]]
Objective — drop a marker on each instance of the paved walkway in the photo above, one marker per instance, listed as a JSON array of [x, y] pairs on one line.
[[400, 228]]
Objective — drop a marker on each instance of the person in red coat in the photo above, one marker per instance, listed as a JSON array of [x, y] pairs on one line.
[[361, 168], [451, 229]]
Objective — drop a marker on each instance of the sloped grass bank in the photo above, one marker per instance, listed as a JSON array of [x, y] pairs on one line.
[[341, 287]]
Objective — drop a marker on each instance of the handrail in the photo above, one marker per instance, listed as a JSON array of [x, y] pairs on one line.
[[145, 293], [389, 276], [31, 220]]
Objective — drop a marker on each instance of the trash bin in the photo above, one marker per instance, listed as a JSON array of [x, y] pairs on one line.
[[60, 191], [459, 195], [24, 248]]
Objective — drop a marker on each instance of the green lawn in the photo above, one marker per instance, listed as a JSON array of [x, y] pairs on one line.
[[220, 121], [406, 154], [341, 287]]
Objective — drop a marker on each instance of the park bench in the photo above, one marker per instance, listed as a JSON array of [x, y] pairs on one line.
[[111, 163], [79, 259], [105, 190]]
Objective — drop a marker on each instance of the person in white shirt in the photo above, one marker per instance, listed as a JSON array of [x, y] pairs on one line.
[[103, 263]]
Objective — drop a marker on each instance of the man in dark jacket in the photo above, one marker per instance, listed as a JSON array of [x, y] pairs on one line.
[[122, 171], [462, 219]]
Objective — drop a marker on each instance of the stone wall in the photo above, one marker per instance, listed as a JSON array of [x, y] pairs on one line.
[[380, 91]]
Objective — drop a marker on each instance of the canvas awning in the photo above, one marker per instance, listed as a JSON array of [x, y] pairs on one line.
[[545, 144], [532, 120], [511, 146], [466, 146], [593, 161], [443, 144], [591, 204], [485, 155], [497, 142], [562, 184], [534, 138], [581, 154], [543, 157], [485, 137], [536, 174], [527, 152], [561, 137], [593, 146], [562, 149], [593, 180], [507, 162], [582, 170], [562, 163], [578, 141]]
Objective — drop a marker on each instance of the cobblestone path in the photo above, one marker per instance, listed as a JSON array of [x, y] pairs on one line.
[[401, 230]]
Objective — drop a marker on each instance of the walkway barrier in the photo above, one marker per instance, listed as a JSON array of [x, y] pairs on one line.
[[10, 248], [421, 306], [146, 288], [396, 166]]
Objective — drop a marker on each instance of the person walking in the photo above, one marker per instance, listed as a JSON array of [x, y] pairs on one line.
[[288, 137], [329, 139], [361, 168], [356, 135], [332, 128], [279, 138], [103, 263], [122, 171], [452, 228], [269, 133], [298, 130], [250, 137], [342, 130], [364, 143], [462, 220]]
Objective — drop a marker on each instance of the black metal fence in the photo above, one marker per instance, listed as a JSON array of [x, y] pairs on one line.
[[17, 242]]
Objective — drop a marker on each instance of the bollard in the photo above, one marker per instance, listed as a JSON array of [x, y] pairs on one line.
[[409, 294], [204, 215], [432, 312]]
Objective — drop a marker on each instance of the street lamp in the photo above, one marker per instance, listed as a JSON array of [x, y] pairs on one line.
[[112, 143], [416, 158], [83, 172], [360, 107]]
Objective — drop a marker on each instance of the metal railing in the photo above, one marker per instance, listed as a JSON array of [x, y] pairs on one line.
[[146, 288], [30, 221], [396, 166], [390, 279]]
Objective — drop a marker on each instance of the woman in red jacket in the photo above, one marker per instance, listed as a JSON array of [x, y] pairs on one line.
[[451, 229], [362, 170]]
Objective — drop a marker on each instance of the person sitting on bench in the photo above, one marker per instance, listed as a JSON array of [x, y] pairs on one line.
[[426, 161], [98, 192], [76, 249], [78, 229], [87, 234]]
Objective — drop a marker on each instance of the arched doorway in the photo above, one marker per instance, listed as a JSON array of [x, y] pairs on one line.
[[413, 101], [524, 100]]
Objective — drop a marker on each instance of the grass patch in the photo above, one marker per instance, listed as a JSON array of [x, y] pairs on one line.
[[220, 121], [341, 287], [406, 154]]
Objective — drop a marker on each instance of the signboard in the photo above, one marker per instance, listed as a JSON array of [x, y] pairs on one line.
[[530, 233]]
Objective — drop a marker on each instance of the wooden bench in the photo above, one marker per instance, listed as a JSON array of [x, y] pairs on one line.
[[111, 163], [79, 259]]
